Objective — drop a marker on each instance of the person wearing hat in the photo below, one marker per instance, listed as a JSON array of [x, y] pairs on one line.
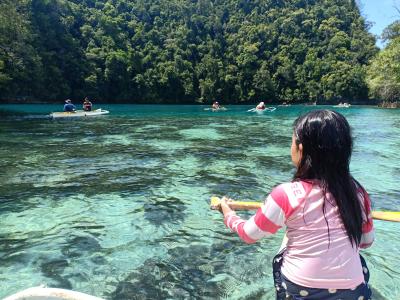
[[260, 106], [216, 105], [87, 105], [69, 107]]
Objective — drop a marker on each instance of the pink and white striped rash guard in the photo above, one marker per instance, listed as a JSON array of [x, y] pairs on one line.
[[312, 259]]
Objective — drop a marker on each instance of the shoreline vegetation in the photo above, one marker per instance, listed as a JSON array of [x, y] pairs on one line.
[[387, 104], [173, 51], [369, 102], [194, 52]]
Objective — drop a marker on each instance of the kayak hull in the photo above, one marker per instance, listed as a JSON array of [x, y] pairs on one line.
[[79, 114], [43, 293], [342, 105]]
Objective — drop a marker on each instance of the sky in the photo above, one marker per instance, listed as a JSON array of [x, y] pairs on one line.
[[381, 13]]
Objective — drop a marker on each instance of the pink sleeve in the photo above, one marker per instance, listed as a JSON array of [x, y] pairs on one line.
[[267, 220]]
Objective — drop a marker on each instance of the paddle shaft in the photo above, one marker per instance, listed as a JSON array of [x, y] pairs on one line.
[[243, 205]]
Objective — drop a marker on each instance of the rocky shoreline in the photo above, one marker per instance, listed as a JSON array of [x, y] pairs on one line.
[[388, 104]]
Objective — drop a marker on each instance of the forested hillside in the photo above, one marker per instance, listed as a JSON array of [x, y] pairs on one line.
[[184, 51], [384, 71]]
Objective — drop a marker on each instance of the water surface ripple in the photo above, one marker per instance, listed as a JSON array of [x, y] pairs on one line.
[[117, 206]]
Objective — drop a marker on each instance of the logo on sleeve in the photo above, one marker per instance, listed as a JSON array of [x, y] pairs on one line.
[[295, 193]]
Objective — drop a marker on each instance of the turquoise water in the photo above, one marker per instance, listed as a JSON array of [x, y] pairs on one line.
[[117, 206]]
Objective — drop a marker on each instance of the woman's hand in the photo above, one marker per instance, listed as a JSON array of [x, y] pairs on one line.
[[224, 205]]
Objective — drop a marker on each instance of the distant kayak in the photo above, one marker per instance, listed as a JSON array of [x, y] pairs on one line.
[[79, 113], [270, 109], [216, 109], [343, 105]]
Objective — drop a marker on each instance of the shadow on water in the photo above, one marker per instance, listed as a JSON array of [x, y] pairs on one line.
[[12, 247], [78, 246], [53, 270], [164, 211], [193, 272], [181, 277], [376, 295]]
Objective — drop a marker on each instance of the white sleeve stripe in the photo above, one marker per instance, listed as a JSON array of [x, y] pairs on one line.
[[253, 231], [235, 224], [291, 189], [367, 238], [228, 221], [273, 211]]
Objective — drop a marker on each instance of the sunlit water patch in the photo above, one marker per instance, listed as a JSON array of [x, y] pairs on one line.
[[118, 206]]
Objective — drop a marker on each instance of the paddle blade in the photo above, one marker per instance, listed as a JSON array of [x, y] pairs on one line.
[[214, 202]]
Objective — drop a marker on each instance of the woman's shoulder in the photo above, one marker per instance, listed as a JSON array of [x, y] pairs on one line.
[[289, 195], [295, 186]]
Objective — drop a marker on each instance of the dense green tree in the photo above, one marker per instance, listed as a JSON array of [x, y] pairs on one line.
[[170, 51], [18, 58], [384, 73], [392, 31]]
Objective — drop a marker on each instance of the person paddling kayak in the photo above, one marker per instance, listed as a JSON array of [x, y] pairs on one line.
[[69, 107], [260, 106], [87, 105], [215, 105], [327, 215]]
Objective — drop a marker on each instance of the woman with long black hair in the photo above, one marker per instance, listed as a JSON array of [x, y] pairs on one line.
[[327, 215]]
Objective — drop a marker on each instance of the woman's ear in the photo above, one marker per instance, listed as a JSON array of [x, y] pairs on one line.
[[300, 150], [300, 147]]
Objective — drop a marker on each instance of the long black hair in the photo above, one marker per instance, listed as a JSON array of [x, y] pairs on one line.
[[327, 146]]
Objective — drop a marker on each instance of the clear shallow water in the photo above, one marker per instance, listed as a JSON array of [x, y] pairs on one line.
[[118, 206]]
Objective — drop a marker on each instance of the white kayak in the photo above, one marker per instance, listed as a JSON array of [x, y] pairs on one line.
[[343, 105], [43, 293], [79, 113], [257, 110]]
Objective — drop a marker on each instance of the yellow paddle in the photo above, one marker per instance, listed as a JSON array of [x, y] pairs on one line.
[[393, 216]]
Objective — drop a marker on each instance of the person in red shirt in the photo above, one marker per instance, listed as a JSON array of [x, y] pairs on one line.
[[260, 106], [87, 105]]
